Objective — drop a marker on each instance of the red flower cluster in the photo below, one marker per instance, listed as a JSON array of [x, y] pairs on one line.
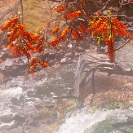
[[60, 38], [23, 42], [110, 45], [65, 31], [108, 28], [55, 30], [73, 15], [11, 23], [82, 29], [94, 24], [56, 41], [34, 63], [119, 29], [76, 34]]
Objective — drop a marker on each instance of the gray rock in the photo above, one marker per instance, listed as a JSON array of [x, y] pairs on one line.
[[79, 49], [63, 60], [69, 55], [6, 118]]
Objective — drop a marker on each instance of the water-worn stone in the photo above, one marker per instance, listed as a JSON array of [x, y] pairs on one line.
[[6, 118]]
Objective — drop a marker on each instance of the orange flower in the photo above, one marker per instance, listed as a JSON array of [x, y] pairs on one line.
[[76, 34], [45, 64], [57, 40], [65, 31], [32, 69], [6, 25], [73, 15], [10, 45], [28, 45], [33, 60], [26, 53], [61, 8], [55, 30]]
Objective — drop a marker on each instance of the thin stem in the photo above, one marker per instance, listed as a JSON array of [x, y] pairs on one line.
[[22, 17]]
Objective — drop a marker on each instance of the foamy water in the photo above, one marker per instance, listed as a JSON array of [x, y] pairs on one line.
[[82, 121]]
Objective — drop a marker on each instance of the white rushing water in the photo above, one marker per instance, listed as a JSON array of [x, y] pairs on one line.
[[82, 121]]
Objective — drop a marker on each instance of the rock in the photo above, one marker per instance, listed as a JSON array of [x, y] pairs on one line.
[[51, 62], [77, 54], [6, 118], [49, 121], [8, 62], [70, 45], [36, 77], [34, 123], [14, 101], [79, 49], [19, 118], [45, 56], [69, 55], [52, 55], [4, 55], [59, 55], [50, 106], [5, 127], [115, 9], [2, 78], [63, 60], [31, 93], [100, 49]]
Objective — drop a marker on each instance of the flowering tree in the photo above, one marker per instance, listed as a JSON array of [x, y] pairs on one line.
[[79, 20]]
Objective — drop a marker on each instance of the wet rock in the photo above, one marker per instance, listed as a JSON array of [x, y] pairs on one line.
[[15, 101], [21, 99], [6, 118], [19, 118], [18, 101]]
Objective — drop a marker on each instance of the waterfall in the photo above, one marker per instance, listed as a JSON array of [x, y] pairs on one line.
[[86, 122]]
